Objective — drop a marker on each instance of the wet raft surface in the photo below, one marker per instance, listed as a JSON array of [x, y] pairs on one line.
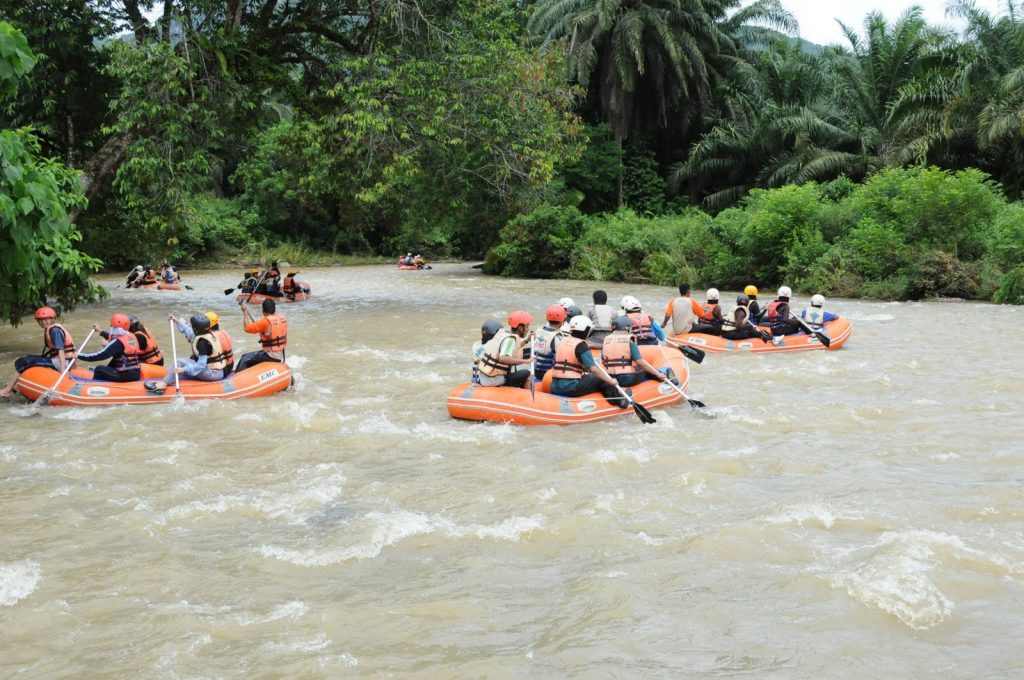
[[846, 514]]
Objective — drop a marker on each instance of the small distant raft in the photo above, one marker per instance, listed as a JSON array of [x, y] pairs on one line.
[[258, 298], [79, 389], [839, 331], [409, 267], [160, 285], [515, 405]]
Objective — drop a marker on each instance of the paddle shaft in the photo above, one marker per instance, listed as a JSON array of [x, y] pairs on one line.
[[45, 397], [174, 356], [693, 402], [822, 338], [692, 353]]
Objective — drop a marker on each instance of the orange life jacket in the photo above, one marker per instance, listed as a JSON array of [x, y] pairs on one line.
[[774, 307], [288, 285], [707, 313], [227, 354], [274, 337], [129, 359], [149, 276], [616, 355], [566, 363], [69, 344], [643, 332], [150, 355]]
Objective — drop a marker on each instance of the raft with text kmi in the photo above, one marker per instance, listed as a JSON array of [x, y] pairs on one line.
[[258, 298], [838, 332], [517, 405], [79, 389]]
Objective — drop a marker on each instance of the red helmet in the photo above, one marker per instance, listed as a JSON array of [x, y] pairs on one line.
[[120, 321], [556, 313], [45, 313], [518, 319]]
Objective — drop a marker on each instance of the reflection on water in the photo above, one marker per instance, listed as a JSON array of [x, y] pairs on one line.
[[846, 514]]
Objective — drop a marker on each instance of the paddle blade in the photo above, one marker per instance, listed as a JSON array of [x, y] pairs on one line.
[[229, 291], [696, 404], [824, 339], [692, 353]]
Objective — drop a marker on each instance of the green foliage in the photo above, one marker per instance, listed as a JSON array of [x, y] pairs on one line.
[[595, 175], [777, 223], [38, 257], [1011, 289], [937, 273], [537, 244], [643, 188], [1006, 237]]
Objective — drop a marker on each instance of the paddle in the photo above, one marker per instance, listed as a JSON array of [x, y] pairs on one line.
[[641, 411], [822, 338], [174, 354], [693, 402], [46, 396], [691, 353], [256, 287]]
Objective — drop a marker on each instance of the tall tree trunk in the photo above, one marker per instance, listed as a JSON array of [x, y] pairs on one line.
[[102, 167]]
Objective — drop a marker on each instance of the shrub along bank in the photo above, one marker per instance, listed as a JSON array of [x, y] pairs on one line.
[[903, 234]]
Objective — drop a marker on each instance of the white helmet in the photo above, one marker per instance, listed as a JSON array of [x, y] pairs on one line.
[[785, 291], [817, 300], [139, 268], [712, 294], [581, 324], [567, 302], [630, 303]]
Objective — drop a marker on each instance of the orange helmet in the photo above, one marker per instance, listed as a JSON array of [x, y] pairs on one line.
[[45, 313], [120, 321], [519, 318], [556, 313]]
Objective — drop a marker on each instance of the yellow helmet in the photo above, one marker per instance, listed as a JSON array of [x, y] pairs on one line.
[[214, 319], [750, 290]]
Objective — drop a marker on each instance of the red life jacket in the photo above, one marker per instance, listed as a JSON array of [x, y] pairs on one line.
[[776, 311], [616, 355], [69, 344], [150, 355], [566, 363], [129, 358], [707, 313], [643, 331]]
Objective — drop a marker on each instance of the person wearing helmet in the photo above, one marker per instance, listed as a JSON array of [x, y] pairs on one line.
[[208, 359], [682, 311], [168, 275], [621, 357], [250, 277], [566, 302], [646, 330], [815, 315], [487, 332], [754, 308], [570, 312], [546, 340], [710, 319], [58, 348], [271, 281], [506, 350], [134, 275], [122, 349], [419, 262], [292, 288], [737, 324], [226, 343], [601, 313], [148, 277], [273, 332], [149, 350], [576, 372], [780, 317]]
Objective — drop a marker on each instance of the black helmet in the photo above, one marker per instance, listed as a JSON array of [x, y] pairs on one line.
[[742, 300], [489, 330], [571, 311], [621, 322], [200, 323]]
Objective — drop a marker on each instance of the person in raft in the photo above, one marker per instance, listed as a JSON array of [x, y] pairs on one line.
[[168, 275], [546, 340], [682, 311], [122, 349], [621, 356], [506, 350], [148, 277], [646, 330], [58, 348], [226, 343], [779, 316], [815, 315], [601, 313], [207, 362], [291, 288], [487, 332], [273, 332], [737, 325], [710, 319], [149, 351], [134, 275], [754, 308], [575, 372], [419, 262]]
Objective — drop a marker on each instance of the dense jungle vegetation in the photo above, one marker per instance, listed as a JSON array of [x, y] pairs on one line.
[[631, 140]]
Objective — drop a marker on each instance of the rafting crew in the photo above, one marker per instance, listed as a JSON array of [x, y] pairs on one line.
[[122, 349], [149, 350], [489, 329], [505, 351], [168, 275], [737, 324], [710, 318], [58, 348], [754, 307], [273, 331], [621, 357]]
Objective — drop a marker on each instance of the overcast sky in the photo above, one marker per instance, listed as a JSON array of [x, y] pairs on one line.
[[817, 17]]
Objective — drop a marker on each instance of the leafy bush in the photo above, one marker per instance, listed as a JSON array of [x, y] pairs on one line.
[[777, 221], [939, 273], [1011, 290], [834, 273], [876, 250], [537, 244], [1006, 237]]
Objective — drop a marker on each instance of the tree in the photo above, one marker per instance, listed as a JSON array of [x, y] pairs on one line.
[[37, 253]]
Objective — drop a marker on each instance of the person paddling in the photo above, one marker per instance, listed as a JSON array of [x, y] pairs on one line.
[[505, 351], [754, 308], [207, 362], [779, 315], [710, 319], [58, 348], [149, 350], [736, 325], [273, 332], [545, 342], [622, 359], [646, 330], [815, 315], [122, 349], [575, 372], [682, 311]]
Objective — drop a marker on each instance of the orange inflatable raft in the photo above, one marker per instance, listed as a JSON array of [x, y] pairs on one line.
[[79, 389], [514, 405], [258, 298], [160, 285], [839, 331]]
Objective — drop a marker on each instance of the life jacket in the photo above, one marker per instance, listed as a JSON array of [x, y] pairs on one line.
[[150, 355], [488, 362], [478, 351], [227, 346], [602, 315], [774, 310], [69, 344], [815, 317], [168, 275], [288, 286], [736, 319], [616, 355], [149, 276], [543, 354], [643, 328], [566, 363], [274, 338], [707, 313], [215, 362], [129, 358]]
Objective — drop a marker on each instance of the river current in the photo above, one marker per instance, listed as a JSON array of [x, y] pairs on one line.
[[844, 514]]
